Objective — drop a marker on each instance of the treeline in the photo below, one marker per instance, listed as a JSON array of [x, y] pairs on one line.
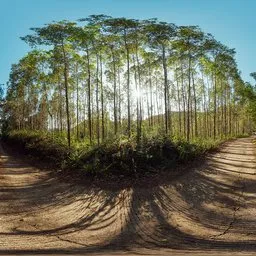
[[107, 77]]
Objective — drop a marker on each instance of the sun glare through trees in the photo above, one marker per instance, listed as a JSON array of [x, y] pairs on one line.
[[107, 77]]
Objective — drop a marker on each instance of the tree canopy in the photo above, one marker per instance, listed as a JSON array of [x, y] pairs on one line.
[[104, 77]]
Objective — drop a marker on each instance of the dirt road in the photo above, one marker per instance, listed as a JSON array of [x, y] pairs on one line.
[[209, 208]]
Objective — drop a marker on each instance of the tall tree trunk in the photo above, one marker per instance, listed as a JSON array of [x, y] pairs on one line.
[[97, 100], [89, 94], [102, 100], [60, 109], [184, 101], [225, 111], [166, 107], [77, 104], [137, 102], [119, 98], [128, 85], [66, 93], [215, 105], [115, 108], [151, 98], [179, 109], [195, 102], [140, 96], [189, 98]]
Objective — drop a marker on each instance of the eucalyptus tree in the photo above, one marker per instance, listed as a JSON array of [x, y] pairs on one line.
[[215, 52], [83, 37], [43, 82], [15, 106], [177, 79], [248, 94], [139, 40], [77, 77], [185, 82], [113, 48], [190, 44], [99, 48], [124, 28], [227, 73], [56, 34], [56, 80], [160, 35], [23, 90]]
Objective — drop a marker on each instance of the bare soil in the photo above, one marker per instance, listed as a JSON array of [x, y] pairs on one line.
[[209, 209]]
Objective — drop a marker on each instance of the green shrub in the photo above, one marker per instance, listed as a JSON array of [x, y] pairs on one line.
[[120, 156]]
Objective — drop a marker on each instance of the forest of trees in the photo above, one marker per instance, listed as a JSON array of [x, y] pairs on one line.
[[105, 77]]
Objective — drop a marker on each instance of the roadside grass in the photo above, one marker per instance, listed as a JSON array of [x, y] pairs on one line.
[[117, 157]]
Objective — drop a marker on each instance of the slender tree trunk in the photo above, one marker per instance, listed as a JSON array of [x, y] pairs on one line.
[[115, 108], [195, 102], [206, 128], [178, 91], [60, 124], [128, 85], [151, 98], [119, 98], [215, 106], [166, 112], [189, 98], [137, 103], [225, 111], [89, 94], [66, 94], [140, 96], [97, 100], [77, 104], [102, 100], [184, 101], [157, 104]]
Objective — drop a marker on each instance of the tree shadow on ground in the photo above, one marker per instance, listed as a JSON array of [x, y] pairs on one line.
[[209, 208]]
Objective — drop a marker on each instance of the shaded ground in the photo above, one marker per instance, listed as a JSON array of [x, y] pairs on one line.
[[210, 208]]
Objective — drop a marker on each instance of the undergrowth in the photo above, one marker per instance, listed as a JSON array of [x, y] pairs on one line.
[[118, 157]]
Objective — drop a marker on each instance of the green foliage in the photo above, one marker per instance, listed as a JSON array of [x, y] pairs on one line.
[[123, 94], [119, 157], [125, 157]]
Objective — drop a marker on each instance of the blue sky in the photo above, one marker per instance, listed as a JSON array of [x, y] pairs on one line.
[[231, 21]]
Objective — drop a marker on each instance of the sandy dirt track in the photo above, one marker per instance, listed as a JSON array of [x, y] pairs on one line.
[[210, 209]]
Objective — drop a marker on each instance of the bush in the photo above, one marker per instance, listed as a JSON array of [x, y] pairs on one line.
[[115, 157]]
